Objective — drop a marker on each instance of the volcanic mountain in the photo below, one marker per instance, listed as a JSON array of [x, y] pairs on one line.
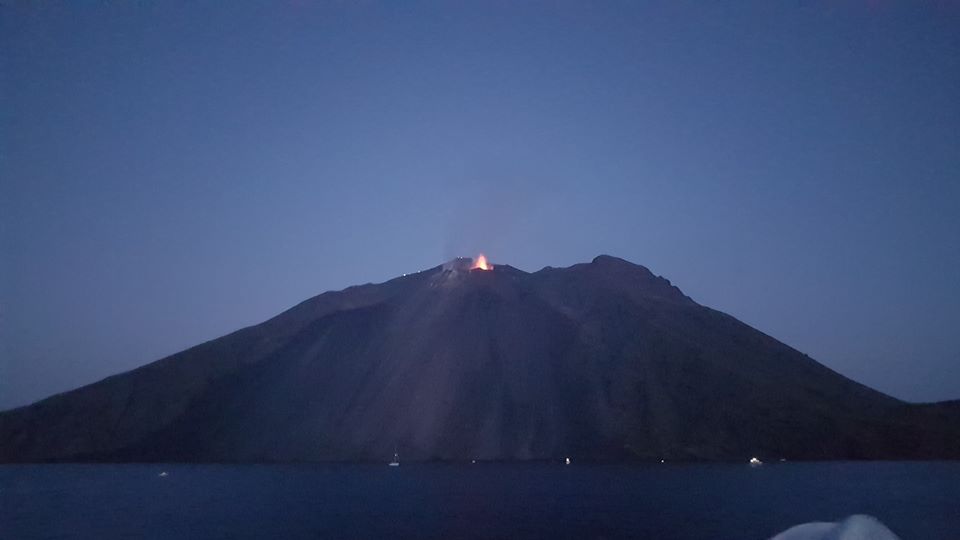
[[598, 361]]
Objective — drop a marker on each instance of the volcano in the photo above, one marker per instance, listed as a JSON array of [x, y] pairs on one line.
[[597, 361]]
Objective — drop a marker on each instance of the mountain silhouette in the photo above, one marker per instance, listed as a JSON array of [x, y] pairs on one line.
[[597, 361]]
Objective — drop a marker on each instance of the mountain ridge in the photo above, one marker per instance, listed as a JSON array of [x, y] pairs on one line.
[[601, 360]]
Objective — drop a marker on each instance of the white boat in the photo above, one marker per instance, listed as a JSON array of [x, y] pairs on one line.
[[396, 460]]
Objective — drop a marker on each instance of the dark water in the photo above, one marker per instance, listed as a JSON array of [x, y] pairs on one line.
[[916, 500]]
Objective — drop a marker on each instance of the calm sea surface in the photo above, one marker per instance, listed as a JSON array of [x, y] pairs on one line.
[[916, 500]]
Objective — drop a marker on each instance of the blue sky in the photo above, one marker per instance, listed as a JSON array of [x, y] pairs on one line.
[[170, 172]]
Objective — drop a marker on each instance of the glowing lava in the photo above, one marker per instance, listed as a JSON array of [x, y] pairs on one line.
[[481, 263]]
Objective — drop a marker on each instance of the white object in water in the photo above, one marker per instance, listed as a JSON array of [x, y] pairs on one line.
[[856, 527], [567, 461], [755, 462], [396, 460], [164, 473]]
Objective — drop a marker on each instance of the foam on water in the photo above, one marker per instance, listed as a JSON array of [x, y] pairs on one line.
[[857, 527]]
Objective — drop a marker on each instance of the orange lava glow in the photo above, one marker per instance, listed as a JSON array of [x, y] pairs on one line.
[[481, 263]]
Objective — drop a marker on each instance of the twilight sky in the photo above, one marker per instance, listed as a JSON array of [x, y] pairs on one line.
[[170, 172]]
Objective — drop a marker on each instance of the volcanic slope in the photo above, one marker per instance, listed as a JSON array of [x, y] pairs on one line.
[[597, 361]]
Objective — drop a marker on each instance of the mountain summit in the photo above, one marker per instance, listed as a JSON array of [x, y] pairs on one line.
[[597, 361]]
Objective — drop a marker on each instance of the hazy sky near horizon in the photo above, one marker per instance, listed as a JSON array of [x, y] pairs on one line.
[[170, 172]]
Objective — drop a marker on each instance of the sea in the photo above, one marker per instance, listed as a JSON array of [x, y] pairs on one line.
[[916, 500]]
